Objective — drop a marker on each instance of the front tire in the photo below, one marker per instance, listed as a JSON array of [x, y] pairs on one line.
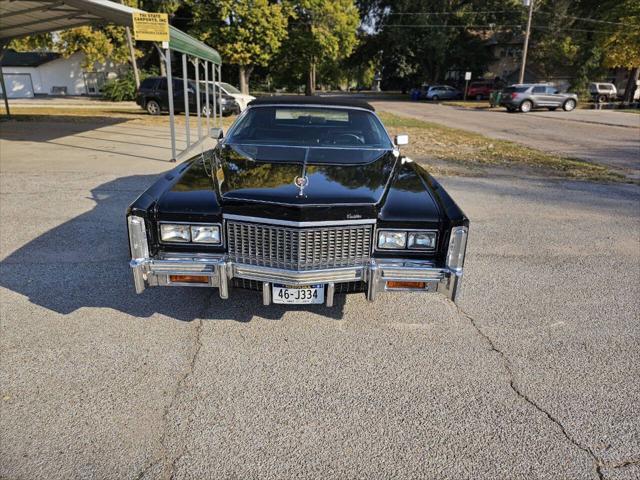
[[526, 106], [152, 107], [435, 98], [602, 99], [569, 105]]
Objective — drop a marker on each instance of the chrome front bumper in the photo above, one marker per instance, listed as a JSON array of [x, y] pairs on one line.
[[152, 272]]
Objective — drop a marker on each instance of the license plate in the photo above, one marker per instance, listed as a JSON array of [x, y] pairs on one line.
[[306, 294]]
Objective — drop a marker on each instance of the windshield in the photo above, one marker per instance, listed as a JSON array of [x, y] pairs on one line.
[[228, 87], [310, 127], [515, 89]]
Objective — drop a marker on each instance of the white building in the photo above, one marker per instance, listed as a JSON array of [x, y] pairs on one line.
[[27, 74]]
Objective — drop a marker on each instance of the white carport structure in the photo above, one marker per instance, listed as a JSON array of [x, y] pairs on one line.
[[19, 18]]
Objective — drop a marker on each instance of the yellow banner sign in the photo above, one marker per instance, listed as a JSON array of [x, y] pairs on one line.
[[152, 27]]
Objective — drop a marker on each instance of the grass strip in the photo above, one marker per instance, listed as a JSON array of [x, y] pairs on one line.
[[459, 147]]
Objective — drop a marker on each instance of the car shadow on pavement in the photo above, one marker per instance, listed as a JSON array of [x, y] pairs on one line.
[[83, 263]]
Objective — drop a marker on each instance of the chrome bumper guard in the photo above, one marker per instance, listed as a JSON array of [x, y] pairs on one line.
[[152, 272]]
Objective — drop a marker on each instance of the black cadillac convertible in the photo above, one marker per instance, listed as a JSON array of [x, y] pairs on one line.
[[303, 199]]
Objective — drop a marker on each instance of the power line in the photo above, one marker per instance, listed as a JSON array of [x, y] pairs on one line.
[[539, 12], [495, 27]]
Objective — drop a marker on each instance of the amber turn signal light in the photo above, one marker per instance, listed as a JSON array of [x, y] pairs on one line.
[[420, 285], [188, 279]]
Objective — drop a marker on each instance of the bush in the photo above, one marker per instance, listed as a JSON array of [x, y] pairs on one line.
[[123, 89]]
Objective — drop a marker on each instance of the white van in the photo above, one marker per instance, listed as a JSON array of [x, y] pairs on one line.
[[242, 99]]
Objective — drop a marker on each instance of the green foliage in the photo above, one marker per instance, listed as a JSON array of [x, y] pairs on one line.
[[421, 40], [621, 45], [322, 33], [123, 88], [246, 32]]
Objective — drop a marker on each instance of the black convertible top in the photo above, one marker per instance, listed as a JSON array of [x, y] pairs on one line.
[[311, 100]]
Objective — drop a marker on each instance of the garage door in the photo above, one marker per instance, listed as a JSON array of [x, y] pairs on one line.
[[19, 85]]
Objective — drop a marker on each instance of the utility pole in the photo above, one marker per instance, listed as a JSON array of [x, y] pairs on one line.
[[526, 41]]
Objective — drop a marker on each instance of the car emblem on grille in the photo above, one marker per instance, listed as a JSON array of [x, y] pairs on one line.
[[301, 183]]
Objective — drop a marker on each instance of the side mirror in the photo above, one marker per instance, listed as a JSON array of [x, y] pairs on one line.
[[216, 133], [402, 140]]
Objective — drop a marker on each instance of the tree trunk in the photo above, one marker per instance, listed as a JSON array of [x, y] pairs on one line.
[[310, 87], [313, 77], [244, 73], [631, 85]]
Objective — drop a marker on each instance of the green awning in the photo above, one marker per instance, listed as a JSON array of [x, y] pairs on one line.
[[183, 43]]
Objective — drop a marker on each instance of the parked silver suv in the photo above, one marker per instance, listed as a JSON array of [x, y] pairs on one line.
[[524, 97]]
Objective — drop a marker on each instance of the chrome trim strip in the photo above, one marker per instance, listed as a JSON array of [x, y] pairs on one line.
[[290, 223], [295, 277]]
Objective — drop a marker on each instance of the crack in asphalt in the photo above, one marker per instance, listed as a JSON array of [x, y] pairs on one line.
[[166, 460], [598, 462]]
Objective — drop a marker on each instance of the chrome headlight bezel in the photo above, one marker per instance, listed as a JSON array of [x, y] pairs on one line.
[[189, 232], [406, 245], [457, 248], [138, 243]]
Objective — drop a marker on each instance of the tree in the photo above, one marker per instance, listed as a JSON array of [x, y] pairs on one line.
[[422, 40], [322, 31], [246, 32], [621, 46]]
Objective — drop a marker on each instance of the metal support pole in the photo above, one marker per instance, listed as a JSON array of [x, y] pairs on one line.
[[215, 95], [526, 43], [185, 86], [198, 106], [206, 94], [132, 53], [172, 118], [220, 93], [4, 88]]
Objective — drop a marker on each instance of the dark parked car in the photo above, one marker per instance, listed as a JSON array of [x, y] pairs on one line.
[[526, 97], [303, 199], [153, 96], [442, 92], [480, 90]]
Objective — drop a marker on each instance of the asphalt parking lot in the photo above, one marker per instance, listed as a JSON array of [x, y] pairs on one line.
[[603, 136], [533, 375]]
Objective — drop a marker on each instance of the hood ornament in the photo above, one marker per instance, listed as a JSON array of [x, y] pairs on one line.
[[301, 182]]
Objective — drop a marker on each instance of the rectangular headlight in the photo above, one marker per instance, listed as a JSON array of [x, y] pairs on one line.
[[174, 233], [392, 240], [422, 240], [205, 234], [457, 248]]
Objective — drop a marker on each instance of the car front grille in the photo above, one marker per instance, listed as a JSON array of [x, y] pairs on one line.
[[291, 248]]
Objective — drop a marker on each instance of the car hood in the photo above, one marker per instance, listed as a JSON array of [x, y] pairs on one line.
[[303, 176]]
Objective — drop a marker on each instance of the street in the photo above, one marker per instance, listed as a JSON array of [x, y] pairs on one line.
[[607, 137], [533, 375]]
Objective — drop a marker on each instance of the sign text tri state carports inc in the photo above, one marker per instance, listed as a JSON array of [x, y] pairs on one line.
[[152, 27]]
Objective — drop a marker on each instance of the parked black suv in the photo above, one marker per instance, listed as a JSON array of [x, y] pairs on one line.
[[153, 96]]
